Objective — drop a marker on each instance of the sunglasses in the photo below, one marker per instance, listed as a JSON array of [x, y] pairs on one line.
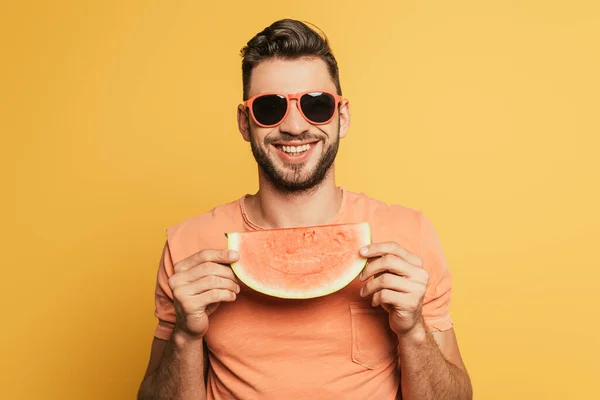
[[316, 106]]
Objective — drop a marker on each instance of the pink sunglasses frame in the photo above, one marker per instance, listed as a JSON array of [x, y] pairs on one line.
[[289, 98]]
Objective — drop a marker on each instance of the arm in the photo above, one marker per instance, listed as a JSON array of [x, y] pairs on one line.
[[431, 365], [176, 370], [187, 294]]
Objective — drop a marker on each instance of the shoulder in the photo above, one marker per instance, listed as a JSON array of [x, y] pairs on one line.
[[204, 230], [382, 212], [393, 221], [217, 215], [414, 231]]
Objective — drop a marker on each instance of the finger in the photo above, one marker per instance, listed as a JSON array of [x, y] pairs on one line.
[[391, 282], [206, 284], [216, 296], [395, 265], [380, 249], [387, 296], [206, 299], [397, 300], [200, 271], [206, 255]]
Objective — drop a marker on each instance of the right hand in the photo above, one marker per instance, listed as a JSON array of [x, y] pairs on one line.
[[199, 284]]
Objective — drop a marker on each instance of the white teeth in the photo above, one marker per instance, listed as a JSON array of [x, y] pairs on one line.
[[295, 149]]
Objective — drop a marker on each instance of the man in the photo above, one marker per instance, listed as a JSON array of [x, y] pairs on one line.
[[387, 335]]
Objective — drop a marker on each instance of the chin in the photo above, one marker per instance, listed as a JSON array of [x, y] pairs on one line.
[[302, 184]]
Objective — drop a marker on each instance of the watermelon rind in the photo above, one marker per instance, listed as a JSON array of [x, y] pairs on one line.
[[350, 272]]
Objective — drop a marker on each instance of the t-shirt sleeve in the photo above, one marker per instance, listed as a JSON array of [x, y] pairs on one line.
[[163, 297], [439, 289]]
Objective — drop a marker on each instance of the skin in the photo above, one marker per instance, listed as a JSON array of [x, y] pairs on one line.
[[177, 368], [431, 364], [271, 207]]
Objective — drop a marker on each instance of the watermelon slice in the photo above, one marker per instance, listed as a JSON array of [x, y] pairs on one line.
[[300, 263]]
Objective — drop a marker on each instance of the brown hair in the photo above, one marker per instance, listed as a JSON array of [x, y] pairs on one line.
[[287, 39]]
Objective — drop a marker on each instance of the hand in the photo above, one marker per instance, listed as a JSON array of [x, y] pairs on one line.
[[199, 283], [398, 285]]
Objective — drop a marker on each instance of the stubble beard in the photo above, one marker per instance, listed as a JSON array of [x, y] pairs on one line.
[[295, 179]]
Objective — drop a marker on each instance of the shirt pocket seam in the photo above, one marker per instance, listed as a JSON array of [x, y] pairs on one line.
[[358, 312]]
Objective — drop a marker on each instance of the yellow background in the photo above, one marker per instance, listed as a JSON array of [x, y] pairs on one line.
[[118, 120]]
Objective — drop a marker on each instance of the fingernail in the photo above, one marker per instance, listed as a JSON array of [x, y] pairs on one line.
[[361, 276], [232, 254], [237, 288], [364, 251], [362, 291]]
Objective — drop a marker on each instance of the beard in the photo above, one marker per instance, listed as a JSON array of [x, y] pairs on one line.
[[295, 179]]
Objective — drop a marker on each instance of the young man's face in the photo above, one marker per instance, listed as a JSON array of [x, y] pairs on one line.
[[296, 154]]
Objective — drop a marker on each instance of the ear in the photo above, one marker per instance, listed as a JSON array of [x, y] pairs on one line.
[[243, 120], [344, 117]]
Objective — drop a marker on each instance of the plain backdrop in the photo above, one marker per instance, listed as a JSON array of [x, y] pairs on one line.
[[118, 119]]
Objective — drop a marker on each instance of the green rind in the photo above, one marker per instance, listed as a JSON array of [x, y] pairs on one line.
[[233, 243]]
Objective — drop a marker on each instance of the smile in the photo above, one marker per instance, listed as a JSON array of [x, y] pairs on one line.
[[294, 149], [295, 154]]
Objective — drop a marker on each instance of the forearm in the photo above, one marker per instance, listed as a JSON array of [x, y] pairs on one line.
[[425, 373], [181, 372]]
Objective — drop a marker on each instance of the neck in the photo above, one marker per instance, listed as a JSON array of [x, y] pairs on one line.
[[271, 208]]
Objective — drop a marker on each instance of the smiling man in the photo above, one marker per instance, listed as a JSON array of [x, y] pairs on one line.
[[387, 335], [295, 158]]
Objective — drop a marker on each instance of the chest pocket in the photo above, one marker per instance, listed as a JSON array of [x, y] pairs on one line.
[[372, 339]]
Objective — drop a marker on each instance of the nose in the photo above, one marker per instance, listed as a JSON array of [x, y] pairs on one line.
[[294, 123]]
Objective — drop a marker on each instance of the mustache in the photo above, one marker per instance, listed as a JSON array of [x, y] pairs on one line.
[[285, 137]]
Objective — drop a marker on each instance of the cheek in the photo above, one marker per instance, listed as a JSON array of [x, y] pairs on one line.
[[332, 129], [260, 135], [332, 135]]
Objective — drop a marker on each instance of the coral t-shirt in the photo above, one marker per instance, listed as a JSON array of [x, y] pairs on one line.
[[333, 347]]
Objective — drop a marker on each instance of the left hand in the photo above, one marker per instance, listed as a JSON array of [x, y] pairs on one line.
[[398, 285]]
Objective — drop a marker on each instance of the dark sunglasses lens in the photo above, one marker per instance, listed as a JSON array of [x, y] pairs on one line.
[[318, 106], [269, 109]]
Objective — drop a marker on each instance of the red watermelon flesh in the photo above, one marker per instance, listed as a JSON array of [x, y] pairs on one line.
[[300, 263]]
